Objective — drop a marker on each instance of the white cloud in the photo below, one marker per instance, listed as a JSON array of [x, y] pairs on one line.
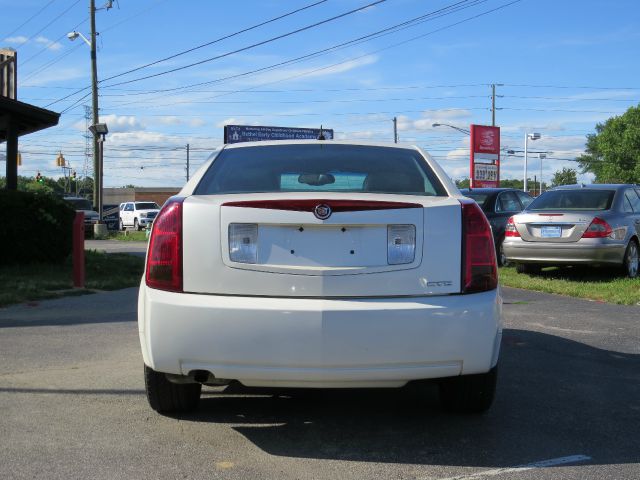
[[57, 75], [452, 116], [229, 121], [197, 122], [117, 123], [19, 40], [39, 40], [49, 44], [170, 120], [314, 72]]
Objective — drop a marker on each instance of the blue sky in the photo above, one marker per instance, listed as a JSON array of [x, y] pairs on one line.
[[564, 66]]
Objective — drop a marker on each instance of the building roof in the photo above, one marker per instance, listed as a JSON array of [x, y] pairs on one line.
[[25, 117]]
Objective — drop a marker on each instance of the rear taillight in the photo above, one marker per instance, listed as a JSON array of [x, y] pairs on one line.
[[243, 242], [510, 230], [598, 229], [479, 269], [164, 260], [401, 244]]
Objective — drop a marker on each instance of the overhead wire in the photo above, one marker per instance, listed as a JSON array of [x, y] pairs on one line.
[[382, 32], [217, 40], [327, 50], [449, 9], [248, 47], [29, 19], [49, 24]]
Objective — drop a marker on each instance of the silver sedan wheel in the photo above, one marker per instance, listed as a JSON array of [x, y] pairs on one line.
[[631, 259]]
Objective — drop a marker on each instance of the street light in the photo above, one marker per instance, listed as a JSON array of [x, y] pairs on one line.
[[91, 42], [73, 35], [99, 130], [466, 132], [527, 137]]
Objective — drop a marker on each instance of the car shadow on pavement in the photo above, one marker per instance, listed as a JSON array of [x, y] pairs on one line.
[[556, 398], [581, 273]]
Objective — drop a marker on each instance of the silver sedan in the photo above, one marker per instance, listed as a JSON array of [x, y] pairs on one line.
[[577, 224]]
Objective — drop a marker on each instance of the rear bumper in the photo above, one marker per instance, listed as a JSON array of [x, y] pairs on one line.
[[292, 342], [584, 251]]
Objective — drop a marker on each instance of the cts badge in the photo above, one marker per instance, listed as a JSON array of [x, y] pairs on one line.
[[322, 211]]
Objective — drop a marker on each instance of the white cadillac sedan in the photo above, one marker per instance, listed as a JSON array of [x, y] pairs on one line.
[[320, 264]]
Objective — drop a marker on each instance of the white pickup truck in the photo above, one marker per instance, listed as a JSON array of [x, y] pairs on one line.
[[138, 215]]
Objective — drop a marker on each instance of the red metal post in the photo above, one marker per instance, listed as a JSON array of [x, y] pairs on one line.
[[78, 250]]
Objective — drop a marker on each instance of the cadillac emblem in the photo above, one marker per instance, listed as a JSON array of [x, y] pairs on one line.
[[322, 211]]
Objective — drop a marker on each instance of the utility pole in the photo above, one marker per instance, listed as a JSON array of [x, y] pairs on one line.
[[493, 102], [97, 180], [395, 130], [187, 162]]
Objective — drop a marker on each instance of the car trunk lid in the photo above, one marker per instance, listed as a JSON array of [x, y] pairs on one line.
[[295, 251], [558, 227]]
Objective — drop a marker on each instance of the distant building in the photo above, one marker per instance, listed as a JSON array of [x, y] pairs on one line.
[[138, 194]]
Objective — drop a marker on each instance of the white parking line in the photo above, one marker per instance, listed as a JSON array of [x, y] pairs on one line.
[[522, 468]]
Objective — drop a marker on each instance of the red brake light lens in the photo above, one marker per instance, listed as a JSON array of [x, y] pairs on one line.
[[164, 260], [510, 230], [598, 229], [479, 268]]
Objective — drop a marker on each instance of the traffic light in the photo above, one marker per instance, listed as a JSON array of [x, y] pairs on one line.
[[73, 175], [39, 178], [60, 161]]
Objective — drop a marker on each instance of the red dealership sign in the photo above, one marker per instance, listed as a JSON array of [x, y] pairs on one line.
[[485, 156]]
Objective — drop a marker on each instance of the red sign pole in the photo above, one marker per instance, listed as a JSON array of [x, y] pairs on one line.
[[485, 156], [472, 142], [78, 250]]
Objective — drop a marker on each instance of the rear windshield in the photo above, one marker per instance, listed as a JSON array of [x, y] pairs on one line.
[[147, 206], [573, 200], [80, 203], [480, 198], [320, 168]]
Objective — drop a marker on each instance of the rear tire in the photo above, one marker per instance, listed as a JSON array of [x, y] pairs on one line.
[[630, 263], [469, 393], [167, 397], [501, 257], [531, 268]]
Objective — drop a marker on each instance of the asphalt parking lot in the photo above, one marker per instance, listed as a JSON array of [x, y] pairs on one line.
[[73, 406]]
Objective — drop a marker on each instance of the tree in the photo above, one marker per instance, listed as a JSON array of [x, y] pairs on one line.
[[613, 152], [566, 176], [464, 183]]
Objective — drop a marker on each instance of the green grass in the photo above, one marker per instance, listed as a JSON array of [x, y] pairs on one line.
[[600, 284], [128, 236], [23, 283]]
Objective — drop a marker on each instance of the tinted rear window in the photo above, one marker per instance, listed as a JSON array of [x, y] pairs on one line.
[[320, 168], [573, 200], [146, 206], [479, 198]]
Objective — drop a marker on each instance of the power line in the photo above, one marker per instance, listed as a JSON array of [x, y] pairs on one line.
[[339, 46], [569, 87], [243, 49], [452, 8], [49, 24], [225, 37], [29, 19]]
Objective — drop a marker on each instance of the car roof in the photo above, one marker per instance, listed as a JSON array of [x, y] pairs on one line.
[[488, 190], [595, 186], [266, 143]]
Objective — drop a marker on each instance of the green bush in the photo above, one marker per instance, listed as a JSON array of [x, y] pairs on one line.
[[34, 228]]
